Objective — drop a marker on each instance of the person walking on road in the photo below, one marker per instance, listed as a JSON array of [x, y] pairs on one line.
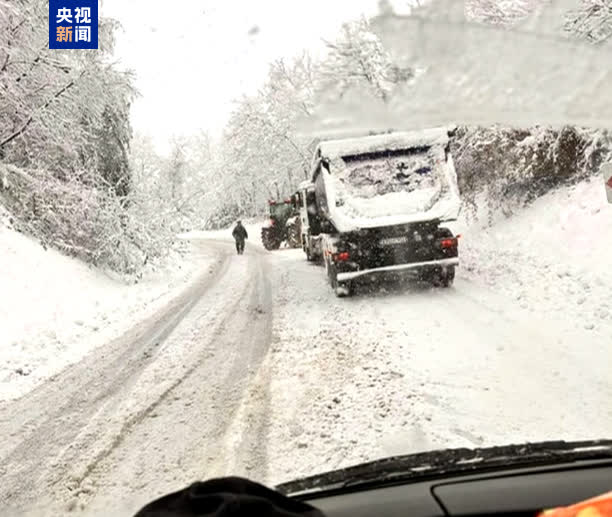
[[240, 235]]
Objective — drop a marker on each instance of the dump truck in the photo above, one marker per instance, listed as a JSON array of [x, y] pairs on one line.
[[376, 205]]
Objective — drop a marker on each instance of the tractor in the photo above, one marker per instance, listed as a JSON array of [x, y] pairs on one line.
[[282, 226]]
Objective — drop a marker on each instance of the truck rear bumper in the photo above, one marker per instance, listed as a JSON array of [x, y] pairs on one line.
[[343, 277]]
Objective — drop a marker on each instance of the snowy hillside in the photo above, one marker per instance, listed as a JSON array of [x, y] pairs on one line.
[[554, 256], [55, 309]]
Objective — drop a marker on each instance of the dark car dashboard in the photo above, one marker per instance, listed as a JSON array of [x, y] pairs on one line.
[[477, 485]]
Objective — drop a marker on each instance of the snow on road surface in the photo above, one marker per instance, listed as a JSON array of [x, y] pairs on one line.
[[151, 410], [253, 228], [259, 370], [55, 309]]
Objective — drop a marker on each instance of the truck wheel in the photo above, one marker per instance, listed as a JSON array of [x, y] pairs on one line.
[[309, 256], [448, 277], [341, 289], [331, 274], [268, 240], [444, 277], [344, 289], [293, 236]]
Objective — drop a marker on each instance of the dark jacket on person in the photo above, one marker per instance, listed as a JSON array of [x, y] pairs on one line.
[[227, 497], [240, 233]]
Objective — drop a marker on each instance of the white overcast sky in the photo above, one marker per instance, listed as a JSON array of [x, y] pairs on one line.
[[193, 57]]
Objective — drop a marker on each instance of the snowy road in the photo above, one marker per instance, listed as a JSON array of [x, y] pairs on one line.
[[410, 368], [162, 399], [259, 370]]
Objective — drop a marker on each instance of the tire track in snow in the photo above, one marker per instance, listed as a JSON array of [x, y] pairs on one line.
[[246, 443], [44, 426], [219, 410]]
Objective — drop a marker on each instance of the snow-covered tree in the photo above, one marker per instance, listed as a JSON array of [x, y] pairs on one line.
[[592, 21], [357, 59], [496, 12], [262, 155], [61, 109], [64, 139], [176, 172], [262, 150]]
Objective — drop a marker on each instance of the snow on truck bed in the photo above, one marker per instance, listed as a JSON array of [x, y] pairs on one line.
[[394, 178], [389, 141]]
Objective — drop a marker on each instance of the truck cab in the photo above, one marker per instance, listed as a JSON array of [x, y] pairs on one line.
[[310, 221]]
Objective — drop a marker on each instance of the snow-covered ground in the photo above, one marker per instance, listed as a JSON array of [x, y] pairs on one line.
[[152, 410], [518, 350], [55, 309], [553, 258]]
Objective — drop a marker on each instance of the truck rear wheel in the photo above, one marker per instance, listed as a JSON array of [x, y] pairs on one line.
[[444, 277], [309, 256], [293, 236], [344, 289], [307, 249], [449, 277], [341, 289]]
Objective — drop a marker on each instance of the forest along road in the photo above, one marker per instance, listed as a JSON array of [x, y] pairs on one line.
[[153, 410]]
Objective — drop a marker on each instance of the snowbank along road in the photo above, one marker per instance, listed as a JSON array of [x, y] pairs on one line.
[[259, 370]]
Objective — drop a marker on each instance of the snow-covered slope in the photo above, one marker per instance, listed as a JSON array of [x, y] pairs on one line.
[[55, 309], [554, 256]]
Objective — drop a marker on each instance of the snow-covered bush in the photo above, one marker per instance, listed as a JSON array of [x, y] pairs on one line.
[[511, 167], [224, 217], [87, 222]]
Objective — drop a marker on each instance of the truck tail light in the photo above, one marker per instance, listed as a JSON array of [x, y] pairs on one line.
[[448, 243], [341, 257]]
